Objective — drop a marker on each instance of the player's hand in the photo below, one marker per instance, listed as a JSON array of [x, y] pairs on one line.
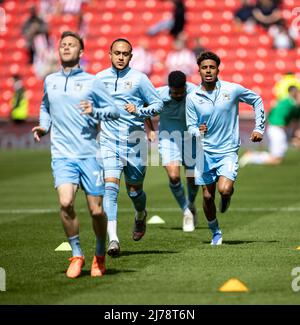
[[130, 108], [256, 137], [38, 132], [86, 107], [151, 136], [203, 128]]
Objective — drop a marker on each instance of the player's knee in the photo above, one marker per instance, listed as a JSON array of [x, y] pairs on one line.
[[66, 204], [174, 179], [134, 193], [97, 212], [226, 190], [208, 197]]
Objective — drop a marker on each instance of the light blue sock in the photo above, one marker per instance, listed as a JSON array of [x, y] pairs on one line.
[[110, 201], [100, 246], [214, 226], [192, 192], [179, 195], [75, 244], [138, 199]]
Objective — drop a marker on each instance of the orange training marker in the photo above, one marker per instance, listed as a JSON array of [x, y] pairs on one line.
[[233, 285]]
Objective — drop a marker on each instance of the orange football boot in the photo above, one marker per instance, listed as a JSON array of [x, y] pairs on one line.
[[98, 266], [74, 269]]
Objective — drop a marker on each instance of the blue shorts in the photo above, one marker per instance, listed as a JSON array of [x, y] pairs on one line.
[[116, 161], [84, 172], [177, 146], [216, 165]]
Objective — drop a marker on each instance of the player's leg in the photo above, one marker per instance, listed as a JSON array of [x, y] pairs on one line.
[[99, 222], [209, 209], [93, 184], [177, 189], [192, 190], [66, 178], [207, 177], [225, 188], [112, 174], [191, 152], [226, 169], [134, 178]]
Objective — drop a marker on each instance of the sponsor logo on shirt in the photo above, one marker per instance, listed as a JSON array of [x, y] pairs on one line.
[[226, 96], [128, 84], [78, 86]]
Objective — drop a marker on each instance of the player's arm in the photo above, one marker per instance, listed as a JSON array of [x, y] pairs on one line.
[[45, 118], [250, 97], [151, 134], [192, 121], [151, 97], [103, 107]]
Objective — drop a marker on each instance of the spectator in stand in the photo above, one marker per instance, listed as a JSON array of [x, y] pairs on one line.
[[175, 25], [243, 16], [142, 58], [19, 101], [282, 39], [281, 87], [181, 58], [198, 48], [33, 26], [266, 13]]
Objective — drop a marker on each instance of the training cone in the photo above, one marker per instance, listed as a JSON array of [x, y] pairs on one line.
[[233, 285], [65, 246], [298, 248], [155, 220]]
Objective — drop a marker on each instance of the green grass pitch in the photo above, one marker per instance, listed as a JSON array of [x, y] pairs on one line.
[[260, 234]]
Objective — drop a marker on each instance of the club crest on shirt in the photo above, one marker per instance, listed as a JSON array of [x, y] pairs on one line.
[[226, 96], [128, 84], [78, 86], [54, 87]]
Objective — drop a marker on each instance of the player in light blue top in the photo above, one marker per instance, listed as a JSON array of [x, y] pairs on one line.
[[175, 144], [73, 103], [123, 141], [215, 103]]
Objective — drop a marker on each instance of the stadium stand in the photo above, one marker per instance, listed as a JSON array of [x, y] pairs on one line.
[[247, 58]]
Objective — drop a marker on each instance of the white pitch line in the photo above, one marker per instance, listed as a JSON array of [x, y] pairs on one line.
[[45, 211]]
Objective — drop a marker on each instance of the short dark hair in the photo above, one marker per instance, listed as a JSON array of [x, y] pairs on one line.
[[176, 79], [73, 34], [121, 40], [208, 56]]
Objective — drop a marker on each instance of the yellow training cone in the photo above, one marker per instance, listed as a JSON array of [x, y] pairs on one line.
[[298, 248], [65, 246], [233, 285]]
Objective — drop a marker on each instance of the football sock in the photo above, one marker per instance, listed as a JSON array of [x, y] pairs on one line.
[[138, 199], [112, 230], [110, 201], [192, 192], [75, 245], [178, 192], [214, 226], [100, 246]]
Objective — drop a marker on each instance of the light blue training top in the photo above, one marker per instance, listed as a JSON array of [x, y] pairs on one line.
[[128, 86], [172, 117], [219, 109], [74, 135]]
